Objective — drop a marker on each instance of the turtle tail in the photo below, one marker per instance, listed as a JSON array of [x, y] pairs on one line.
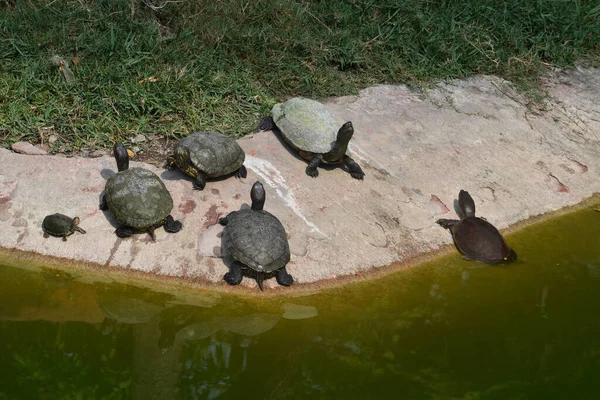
[[260, 277]]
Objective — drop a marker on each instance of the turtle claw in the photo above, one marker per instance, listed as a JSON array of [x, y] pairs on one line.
[[123, 232], [172, 226], [358, 175], [199, 186], [312, 172], [283, 278], [241, 173], [234, 276]]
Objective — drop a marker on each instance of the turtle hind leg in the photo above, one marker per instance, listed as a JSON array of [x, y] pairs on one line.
[[447, 223], [103, 203], [355, 170], [124, 231], [311, 168], [242, 172], [64, 238], [171, 225], [46, 235], [265, 124], [200, 182], [283, 278], [234, 276]]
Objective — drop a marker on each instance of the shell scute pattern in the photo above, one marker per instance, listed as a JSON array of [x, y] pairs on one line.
[[213, 153], [138, 198], [258, 240]]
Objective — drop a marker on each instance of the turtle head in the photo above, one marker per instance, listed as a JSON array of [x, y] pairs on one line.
[[340, 146], [466, 205], [257, 194], [76, 221], [345, 134], [121, 156]]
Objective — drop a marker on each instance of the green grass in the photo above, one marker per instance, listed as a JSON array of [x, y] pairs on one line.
[[219, 65]]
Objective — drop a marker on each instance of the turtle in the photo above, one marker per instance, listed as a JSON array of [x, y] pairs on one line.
[[137, 198], [310, 129], [474, 237], [60, 225], [257, 242], [205, 155]]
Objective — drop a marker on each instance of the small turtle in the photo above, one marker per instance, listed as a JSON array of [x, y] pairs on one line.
[[309, 128], [257, 242], [476, 238], [60, 225], [137, 198], [205, 155]]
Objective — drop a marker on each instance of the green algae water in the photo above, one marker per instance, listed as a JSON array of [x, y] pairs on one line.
[[449, 329]]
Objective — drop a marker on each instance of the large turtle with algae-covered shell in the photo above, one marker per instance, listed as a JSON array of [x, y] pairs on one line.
[[474, 237], [137, 198], [309, 128]]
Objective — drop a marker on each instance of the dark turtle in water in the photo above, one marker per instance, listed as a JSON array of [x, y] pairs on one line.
[[137, 198], [476, 238], [205, 155], [309, 128], [257, 242], [60, 225]]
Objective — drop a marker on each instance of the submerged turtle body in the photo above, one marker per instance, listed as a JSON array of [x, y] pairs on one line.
[[476, 238], [309, 128], [138, 199], [205, 155], [257, 242], [60, 225]]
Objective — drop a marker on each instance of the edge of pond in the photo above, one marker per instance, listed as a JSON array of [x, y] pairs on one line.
[[87, 271]]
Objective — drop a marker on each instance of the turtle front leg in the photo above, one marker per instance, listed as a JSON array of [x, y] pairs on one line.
[[46, 235], [172, 226], [283, 278], [170, 163], [200, 182], [103, 203], [447, 223], [124, 231], [234, 276], [223, 220], [311, 168], [355, 170], [241, 173]]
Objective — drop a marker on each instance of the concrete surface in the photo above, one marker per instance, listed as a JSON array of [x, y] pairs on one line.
[[417, 150]]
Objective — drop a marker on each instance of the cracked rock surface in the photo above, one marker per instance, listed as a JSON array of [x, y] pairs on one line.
[[417, 150]]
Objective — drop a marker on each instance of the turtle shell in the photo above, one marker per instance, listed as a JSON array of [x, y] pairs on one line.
[[138, 198], [479, 240], [256, 239], [212, 153], [57, 224], [306, 125]]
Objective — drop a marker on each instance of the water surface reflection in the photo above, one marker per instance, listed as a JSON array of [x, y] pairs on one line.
[[446, 330]]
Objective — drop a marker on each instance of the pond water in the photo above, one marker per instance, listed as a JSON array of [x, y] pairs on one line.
[[448, 329]]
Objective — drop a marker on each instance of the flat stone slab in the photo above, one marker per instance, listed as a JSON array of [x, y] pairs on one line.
[[417, 150]]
